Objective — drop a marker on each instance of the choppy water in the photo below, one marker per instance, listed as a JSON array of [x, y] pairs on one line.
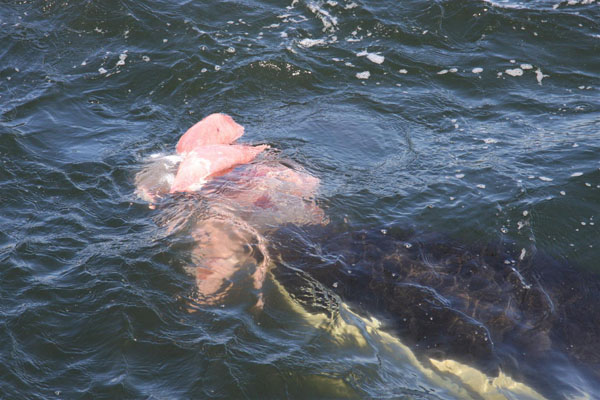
[[480, 120]]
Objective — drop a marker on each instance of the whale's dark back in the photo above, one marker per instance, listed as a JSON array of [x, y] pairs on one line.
[[493, 306]]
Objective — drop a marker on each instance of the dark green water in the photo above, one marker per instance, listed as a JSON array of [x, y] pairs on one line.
[[478, 119]]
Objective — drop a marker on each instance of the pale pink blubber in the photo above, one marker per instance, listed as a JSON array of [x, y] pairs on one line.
[[204, 161], [213, 129]]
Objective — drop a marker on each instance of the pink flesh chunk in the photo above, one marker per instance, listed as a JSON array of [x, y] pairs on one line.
[[214, 129], [205, 161]]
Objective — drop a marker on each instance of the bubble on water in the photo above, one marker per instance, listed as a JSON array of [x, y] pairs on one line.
[[453, 70], [384, 231], [459, 176], [513, 61], [102, 71], [335, 284], [217, 67], [526, 66], [514, 72], [403, 71], [490, 140], [481, 186], [562, 193], [477, 70], [525, 213], [504, 230], [442, 72], [203, 70], [588, 184], [230, 50], [84, 63], [583, 223], [146, 58], [546, 179], [407, 245], [165, 40]]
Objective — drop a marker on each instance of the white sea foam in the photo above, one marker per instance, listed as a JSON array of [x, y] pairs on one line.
[[576, 174], [373, 57], [376, 58], [477, 70], [173, 159], [514, 72], [122, 58], [522, 255], [539, 76], [546, 179], [363, 75], [329, 22], [311, 42]]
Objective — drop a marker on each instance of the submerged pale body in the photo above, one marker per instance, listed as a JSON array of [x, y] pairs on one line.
[[236, 201]]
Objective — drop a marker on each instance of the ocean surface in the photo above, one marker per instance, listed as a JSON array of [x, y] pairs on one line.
[[478, 121]]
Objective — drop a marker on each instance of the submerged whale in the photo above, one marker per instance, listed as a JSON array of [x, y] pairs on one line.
[[490, 306]]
